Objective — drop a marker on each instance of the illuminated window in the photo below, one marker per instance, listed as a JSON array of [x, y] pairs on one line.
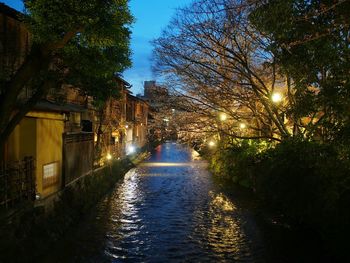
[[50, 174], [75, 118]]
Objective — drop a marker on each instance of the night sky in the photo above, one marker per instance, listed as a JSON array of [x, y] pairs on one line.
[[151, 17]]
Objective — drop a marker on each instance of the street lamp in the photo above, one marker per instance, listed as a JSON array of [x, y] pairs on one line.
[[211, 143], [276, 97], [242, 126], [223, 117]]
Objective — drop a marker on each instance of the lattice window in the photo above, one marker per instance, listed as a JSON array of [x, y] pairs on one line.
[[50, 174]]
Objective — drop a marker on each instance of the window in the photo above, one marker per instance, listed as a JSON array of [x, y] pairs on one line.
[[50, 174], [75, 118]]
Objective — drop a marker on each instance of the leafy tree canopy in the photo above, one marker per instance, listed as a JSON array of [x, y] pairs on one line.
[[100, 47], [310, 40], [84, 43]]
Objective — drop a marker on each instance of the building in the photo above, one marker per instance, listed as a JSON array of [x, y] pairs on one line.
[[155, 95], [125, 124], [162, 124], [15, 41], [137, 121], [64, 136]]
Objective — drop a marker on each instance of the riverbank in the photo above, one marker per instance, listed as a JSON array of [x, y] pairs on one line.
[[302, 185], [33, 229], [284, 240]]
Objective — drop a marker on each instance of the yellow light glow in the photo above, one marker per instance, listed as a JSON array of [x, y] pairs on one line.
[[109, 156], [242, 126], [211, 143], [276, 97], [223, 117], [165, 164], [223, 203]]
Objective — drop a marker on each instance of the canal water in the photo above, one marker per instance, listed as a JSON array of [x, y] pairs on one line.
[[169, 209]]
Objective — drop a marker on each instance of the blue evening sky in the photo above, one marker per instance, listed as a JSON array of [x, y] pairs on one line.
[[151, 17]]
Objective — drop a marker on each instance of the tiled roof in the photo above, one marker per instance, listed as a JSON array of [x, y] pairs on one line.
[[46, 105]]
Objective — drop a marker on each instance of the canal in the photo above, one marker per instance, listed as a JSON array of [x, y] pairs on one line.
[[169, 209]]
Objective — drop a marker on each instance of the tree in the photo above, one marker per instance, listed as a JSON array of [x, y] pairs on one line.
[[310, 40], [213, 56], [83, 42], [106, 64]]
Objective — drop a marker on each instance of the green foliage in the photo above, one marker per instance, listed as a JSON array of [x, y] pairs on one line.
[[309, 40], [94, 69], [308, 182], [299, 176], [100, 22], [101, 50], [84, 43], [237, 162]]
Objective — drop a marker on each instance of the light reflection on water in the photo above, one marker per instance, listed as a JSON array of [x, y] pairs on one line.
[[172, 211], [169, 213]]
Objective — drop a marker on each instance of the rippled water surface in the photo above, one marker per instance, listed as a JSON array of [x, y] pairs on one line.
[[166, 210]]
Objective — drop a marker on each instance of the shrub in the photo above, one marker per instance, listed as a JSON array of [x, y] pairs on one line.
[[310, 183], [237, 162]]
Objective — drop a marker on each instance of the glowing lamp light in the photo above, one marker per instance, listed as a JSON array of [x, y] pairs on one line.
[[276, 97], [126, 126], [109, 156], [242, 126], [211, 143], [223, 117], [131, 149]]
